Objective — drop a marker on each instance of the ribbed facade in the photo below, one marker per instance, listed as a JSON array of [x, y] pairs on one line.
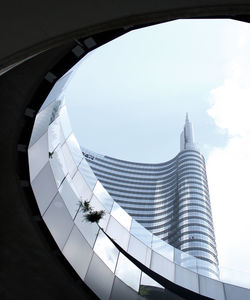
[[170, 199]]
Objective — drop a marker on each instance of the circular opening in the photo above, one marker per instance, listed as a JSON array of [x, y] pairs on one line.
[[129, 99]]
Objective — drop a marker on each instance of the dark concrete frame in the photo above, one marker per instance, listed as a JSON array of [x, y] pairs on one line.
[[37, 37]]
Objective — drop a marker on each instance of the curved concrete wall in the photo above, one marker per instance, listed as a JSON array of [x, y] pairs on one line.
[[31, 27]]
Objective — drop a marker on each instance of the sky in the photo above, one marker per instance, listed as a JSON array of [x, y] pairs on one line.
[[129, 98]]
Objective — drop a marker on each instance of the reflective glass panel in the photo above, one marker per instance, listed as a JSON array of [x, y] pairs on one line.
[[148, 281], [81, 186], [87, 173], [186, 278], [55, 136], [185, 260], [69, 195], [234, 292], [74, 149], [137, 249], [38, 156], [211, 288], [71, 166], [59, 221], [58, 166], [162, 248], [206, 268], [73, 250], [43, 119], [65, 123], [106, 250], [128, 272], [44, 188], [141, 233], [122, 292], [97, 205], [121, 215], [99, 278], [88, 230], [118, 233], [162, 266], [103, 196]]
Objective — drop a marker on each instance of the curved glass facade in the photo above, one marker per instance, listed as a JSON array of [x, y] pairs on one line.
[[170, 199]]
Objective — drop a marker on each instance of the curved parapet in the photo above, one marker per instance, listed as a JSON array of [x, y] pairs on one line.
[[118, 257]]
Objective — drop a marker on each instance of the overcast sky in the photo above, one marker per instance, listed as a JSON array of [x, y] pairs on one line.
[[129, 99]]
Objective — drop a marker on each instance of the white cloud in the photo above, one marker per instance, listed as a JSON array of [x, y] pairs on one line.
[[228, 168]]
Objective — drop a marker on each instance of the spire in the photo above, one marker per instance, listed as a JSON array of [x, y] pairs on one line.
[[187, 136]]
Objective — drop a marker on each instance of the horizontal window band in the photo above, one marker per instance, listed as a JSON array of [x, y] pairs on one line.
[[191, 158], [209, 269], [182, 243], [133, 169], [167, 214], [191, 189], [189, 169], [141, 178], [112, 160], [158, 200], [127, 172], [201, 249], [194, 190], [139, 181], [210, 242], [113, 180], [167, 206], [177, 231], [194, 164], [176, 238], [155, 188], [173, 222], [160, 193], [192, 173]]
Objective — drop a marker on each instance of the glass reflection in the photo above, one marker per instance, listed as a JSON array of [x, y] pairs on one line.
[[65, 123], [87, 173], [105, 249], [103, 196], [120, 214], [71, 166], [58, 166], [141, 233], [96, 205], [185, 260], [43, 119], [146, 280], [162, 248], [70, 196], [128, 272], [88, 230], [74, 149], [55, 136]]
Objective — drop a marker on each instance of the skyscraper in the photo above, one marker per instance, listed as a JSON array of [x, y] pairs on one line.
[[171, 199]]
